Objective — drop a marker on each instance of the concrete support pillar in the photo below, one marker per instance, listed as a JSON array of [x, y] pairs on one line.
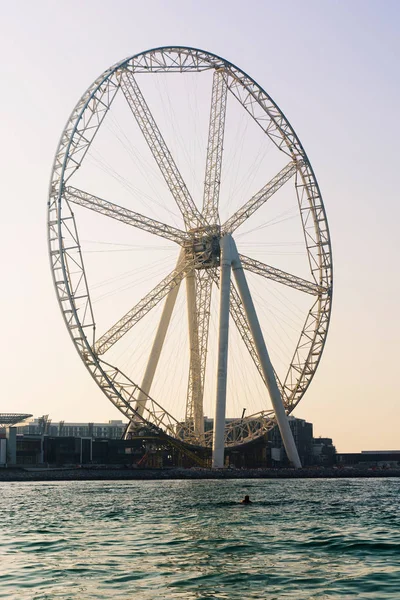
[[11, 437], [41, 456], [222, 368], [3, 451], [265, 362], [156, 349]]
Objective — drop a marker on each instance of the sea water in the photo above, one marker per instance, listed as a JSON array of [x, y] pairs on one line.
[[300, 539]]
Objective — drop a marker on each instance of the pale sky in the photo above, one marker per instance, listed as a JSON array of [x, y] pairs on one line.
[[331, 66]]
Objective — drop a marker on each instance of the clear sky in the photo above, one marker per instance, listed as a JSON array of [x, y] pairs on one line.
[[332, 67]]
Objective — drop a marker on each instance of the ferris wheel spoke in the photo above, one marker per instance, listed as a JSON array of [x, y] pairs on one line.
[[215, 147], [160, 151], [114, 211], [204, 290], [141, 309], [248, 209], [199, 301], [255, 266]]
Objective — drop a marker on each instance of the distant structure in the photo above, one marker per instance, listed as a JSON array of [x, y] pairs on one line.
[[8, 445], [40, 442], [369, 459], [324, 451], [11, 419], [43, 426]]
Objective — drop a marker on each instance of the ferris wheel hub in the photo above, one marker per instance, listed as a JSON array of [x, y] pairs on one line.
[[204, 246]]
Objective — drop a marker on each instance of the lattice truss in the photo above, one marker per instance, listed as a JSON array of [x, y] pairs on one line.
[[198, 263]]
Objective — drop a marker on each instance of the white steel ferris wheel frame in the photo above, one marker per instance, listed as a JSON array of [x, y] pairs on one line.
[[207, 246]]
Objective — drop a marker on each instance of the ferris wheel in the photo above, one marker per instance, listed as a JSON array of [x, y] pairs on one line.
[[207, 321]]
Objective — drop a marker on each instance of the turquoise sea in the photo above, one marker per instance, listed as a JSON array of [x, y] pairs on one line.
[[300, 539]]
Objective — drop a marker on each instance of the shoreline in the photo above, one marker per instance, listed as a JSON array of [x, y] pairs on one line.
[[122, 474]]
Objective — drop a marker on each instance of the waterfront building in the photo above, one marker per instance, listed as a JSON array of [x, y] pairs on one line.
[[324, 452], [40, 441], [369, 459], [113, 429], [303, 436]]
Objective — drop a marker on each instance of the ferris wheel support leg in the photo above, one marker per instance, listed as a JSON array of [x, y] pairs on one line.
[[222, 367], [263, 356], [156, 349]]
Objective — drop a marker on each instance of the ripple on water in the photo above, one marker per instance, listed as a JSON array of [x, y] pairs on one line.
[[301, 539]]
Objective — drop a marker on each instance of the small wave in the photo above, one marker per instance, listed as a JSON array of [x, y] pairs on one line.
[[355, 546], [114, 514]]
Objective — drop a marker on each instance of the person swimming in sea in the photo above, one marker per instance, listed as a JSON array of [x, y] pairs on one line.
[[246, 500]]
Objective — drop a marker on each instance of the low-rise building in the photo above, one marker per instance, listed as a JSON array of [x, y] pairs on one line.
[[369, 459], [324, 452], [40, 441], [113, 429], [303, 437]]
